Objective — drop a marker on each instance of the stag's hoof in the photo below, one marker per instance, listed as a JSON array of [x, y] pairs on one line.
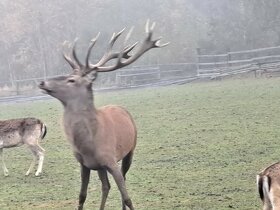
[[80, 207]]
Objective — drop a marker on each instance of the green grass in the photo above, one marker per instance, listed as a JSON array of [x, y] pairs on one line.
[[200, 146]]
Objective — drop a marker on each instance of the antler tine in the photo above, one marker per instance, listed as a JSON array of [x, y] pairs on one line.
[[128, 49], [150, 29], [69, 60], [109, 55], [115, 37], [157, 43], [146, 45], [75, 55], [153, 26], [128, 35], [93, 41], [147, 26]]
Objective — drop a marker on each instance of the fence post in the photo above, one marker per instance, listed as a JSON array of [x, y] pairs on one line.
[[228, 58], [118, 79], [17, 87], [159, 72], [198, 53]]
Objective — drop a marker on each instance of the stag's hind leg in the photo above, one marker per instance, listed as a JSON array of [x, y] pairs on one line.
[[126, 163], [6, 172], [105, 186], [119, 179]]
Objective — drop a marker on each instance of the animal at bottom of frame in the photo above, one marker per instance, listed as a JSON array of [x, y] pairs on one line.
[[268, 182], [23, 131]]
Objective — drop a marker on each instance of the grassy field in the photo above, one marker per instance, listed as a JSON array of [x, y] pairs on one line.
[[200, 147]]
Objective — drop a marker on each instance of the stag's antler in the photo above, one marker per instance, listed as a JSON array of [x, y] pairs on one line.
[[75, 64], [123, 57]]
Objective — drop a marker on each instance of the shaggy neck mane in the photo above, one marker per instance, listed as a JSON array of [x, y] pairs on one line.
[[82, 103]]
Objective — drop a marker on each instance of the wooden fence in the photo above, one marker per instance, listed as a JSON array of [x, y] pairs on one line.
[[259, 61]]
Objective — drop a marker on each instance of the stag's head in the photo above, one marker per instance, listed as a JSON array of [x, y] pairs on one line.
[[78, 85]]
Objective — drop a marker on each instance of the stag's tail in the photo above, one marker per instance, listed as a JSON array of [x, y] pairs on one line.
[[43, 130], [264, 185]]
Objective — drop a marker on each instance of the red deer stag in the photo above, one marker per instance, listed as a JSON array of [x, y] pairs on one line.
[[16, 132], [268, 182], [99, 137]]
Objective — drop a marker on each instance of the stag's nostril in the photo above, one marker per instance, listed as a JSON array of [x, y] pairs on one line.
[[41, 83]]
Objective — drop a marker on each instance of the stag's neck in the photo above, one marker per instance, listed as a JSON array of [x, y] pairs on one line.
[[80, 104], [85, 116], [79, 111], [79, 108], [79, 119]]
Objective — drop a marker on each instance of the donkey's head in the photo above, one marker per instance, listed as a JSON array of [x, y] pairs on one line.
[[78, 85]]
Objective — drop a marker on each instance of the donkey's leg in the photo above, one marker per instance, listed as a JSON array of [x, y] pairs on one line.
[[118, 177], [105, 186], [6, 172], [85, 175]]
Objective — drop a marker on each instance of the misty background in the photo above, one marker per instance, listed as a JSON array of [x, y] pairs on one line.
[[34, 33]]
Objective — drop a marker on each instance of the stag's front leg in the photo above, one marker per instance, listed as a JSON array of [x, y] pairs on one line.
[[85, 174], [119, 179], [6, 172]]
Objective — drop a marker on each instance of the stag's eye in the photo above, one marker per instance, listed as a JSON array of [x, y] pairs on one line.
[[70, 81]]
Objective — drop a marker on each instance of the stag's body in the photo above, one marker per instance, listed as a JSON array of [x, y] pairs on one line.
[[99, 137], [16, 132], [268, 182]]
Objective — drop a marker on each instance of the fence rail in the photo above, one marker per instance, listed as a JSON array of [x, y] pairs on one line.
[[259, 61]]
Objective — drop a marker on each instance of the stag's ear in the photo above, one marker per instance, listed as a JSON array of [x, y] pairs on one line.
[[91, 76]]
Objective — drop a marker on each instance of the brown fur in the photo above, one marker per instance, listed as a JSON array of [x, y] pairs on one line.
[[268, 182]]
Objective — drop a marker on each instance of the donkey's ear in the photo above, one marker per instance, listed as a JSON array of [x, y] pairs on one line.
[[91, 76]]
